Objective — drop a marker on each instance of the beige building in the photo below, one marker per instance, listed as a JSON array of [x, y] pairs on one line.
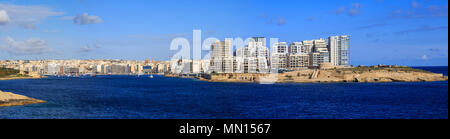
[[298, 61]]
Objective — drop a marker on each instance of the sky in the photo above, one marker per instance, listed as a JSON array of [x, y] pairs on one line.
[[400, 32]]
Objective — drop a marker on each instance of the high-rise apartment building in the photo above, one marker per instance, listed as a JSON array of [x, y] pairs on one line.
[[280, 47], [320, 54], [280, 54], [320, 45], [307, 47], [298, 61], [317, 58], [339, 47], [221, 57], [253, 58], [294, 47]]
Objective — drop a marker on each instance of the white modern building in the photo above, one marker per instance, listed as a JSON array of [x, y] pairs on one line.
[[221, 57], [339, 47], [280, 54]]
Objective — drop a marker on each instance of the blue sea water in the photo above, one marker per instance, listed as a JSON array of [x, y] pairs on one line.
[[126, 97]]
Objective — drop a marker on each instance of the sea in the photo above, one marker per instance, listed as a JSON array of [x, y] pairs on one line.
[[141, 97]]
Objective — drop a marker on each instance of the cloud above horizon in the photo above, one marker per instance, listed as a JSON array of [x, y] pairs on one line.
[[270, 20], [4, 18], [421, 29], [353, 10], [424, 57], [32, 46], [89, 48], [25, 16], [281, 21], [85, 19], [421, 11]]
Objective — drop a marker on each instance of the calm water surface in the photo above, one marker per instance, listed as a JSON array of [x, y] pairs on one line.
[[166, 98]]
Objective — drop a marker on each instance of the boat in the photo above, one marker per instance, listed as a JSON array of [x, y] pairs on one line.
[[151, 76]]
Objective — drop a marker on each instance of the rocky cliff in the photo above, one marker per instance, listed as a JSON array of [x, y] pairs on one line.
[[10, 99], [357, 74]]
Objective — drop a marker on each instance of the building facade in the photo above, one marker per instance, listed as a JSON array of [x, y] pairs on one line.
[[221, 57], [339, 47], [279, 59]]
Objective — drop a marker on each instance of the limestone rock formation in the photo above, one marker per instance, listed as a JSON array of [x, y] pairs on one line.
[[10, 99]]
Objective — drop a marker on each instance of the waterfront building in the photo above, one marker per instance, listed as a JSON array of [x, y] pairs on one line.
[[160, 68], [176, 65], [316, 58], [52, 69], [279, 48], [307, 47], [259, 56], [241, 55], [279, 59], [71, 70], [196, 66], [339, 50], [295, 47], [205, 65], [298, 61], [221, 57], [320, 53], [119, 69], [320, 45], [187, 67]]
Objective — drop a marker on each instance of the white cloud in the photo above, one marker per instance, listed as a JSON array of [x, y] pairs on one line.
[[31, 46], [418, 11], [86, 49], [89, 48], [353, 10], [84, 19], [281, 21], [27, 15], [4, 18], [425, 57], [30, 26], [67, 17]]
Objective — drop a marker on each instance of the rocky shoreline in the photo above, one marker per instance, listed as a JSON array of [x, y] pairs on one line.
[[355, 74], [11, 99], [17, 78]]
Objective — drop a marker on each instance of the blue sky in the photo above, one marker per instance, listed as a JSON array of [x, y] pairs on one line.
[[402, 32]]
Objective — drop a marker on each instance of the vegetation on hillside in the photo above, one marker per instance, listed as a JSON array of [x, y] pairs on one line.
[[6, 72]]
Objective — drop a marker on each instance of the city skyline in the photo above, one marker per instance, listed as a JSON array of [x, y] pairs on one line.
[[405, 32], [228, 56]]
